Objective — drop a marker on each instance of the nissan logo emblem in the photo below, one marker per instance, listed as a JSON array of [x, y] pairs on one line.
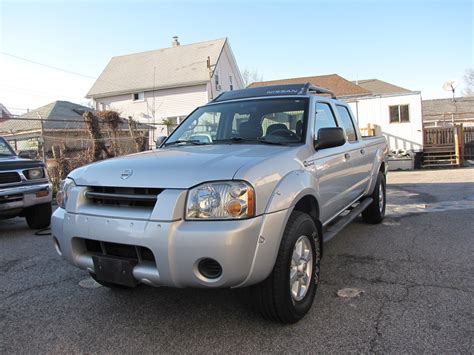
[[126, 174]]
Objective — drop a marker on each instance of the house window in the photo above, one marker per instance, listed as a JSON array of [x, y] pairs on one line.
[[218, 86], [399, 113], [231, 84], [138, 96]]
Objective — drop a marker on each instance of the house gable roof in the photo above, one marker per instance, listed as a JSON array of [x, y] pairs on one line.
[[340, 86], [4, 113], [183, 65], [58, 115], [380, 87]]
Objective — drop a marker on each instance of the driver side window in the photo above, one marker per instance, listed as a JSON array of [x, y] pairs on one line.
[[324, 117]]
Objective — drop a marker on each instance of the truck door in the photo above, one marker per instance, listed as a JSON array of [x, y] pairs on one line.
[[331, 167], [357, 153]]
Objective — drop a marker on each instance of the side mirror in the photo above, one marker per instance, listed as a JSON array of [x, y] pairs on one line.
[[330, 137], [159, 141]]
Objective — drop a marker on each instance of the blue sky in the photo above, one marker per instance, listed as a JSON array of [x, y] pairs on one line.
[[414, 44]]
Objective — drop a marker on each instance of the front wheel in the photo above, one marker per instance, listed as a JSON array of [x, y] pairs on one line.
[[288, 293], [38, 216], [375, 213]]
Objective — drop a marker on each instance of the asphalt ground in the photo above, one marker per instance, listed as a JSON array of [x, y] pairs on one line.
[[415, 272]]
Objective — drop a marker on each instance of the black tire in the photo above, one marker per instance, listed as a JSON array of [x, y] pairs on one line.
[[110, 285], [273, 297], [375, 213], [38, 216]]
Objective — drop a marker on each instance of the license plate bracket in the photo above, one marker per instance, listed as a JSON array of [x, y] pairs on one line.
[[116, 270]]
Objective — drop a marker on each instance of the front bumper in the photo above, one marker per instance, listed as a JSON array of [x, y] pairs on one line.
[[19, 197], [177, 246]]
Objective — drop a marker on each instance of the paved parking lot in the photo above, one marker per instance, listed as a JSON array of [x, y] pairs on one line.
[[416, 271]]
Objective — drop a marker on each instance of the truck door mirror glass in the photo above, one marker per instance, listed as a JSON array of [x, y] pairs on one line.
[[330, 137], [159, 141]]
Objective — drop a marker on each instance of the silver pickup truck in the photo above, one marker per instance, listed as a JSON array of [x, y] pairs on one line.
[[243, 193], [25, 190]]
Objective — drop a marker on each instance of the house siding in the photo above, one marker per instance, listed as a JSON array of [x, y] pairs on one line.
[[166, 103], [375, 110], [226, 67]]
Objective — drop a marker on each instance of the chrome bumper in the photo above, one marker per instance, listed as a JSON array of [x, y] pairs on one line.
[[24, 196]]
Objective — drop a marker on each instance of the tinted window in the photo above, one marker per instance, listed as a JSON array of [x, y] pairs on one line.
[[347, 123], [324, 117]]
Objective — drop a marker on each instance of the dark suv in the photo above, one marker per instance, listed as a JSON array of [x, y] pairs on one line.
[[25, 189]]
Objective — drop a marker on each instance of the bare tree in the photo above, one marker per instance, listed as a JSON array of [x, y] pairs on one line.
[[251, 76], [469, 82]]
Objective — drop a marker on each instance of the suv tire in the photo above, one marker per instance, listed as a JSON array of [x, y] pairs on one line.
[[38, 216], [282, 297], [375, 213]]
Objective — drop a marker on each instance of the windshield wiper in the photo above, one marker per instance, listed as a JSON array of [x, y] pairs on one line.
[[184, 141], [246, 140]]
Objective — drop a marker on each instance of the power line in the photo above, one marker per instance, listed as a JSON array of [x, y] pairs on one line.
[[47, 65], [63, 70]]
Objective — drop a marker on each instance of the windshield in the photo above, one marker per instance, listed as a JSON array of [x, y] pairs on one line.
[[264, 121], [5, 149]]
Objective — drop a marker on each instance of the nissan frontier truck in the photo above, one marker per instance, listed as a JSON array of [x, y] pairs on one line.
[[243, 193]]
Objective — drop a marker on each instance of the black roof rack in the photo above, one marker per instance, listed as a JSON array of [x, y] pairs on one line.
[[274, 90]]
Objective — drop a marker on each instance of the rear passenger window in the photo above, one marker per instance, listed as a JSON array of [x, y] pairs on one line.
[[347, 123], [324, 117]]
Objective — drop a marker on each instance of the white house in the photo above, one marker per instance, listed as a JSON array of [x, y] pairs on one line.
[[166, 83], [397, 111]]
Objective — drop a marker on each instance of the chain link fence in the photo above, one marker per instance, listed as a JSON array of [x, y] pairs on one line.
[[65, 144]]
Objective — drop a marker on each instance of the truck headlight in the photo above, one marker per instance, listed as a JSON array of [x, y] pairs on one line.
[[64, 190], [221, 200], [36, 173]]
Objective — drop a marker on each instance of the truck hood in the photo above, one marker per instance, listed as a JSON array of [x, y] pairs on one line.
[[179, 167], [14, 162]]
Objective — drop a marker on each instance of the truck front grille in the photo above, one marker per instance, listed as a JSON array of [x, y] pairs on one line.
[[11, 198], [123, 196], [125, 251], [9, 177]]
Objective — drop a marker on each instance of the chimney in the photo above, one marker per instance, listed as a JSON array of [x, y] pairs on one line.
[[175, 42]]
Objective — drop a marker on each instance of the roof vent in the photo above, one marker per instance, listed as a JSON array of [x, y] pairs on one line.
[[175, 42]]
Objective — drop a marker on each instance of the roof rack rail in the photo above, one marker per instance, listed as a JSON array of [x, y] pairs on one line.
[[274, 90], [319, 90]]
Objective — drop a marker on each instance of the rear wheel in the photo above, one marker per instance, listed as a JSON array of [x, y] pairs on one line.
[[288, 293], [375, 213], [38, 216]]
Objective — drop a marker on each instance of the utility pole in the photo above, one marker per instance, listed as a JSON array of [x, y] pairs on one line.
[[209, 69], [41, 139]]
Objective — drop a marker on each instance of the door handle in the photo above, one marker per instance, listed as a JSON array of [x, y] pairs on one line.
[[347, 155], [362, 151]]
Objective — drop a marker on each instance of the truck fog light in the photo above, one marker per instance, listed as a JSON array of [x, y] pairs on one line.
[[210, 268]]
